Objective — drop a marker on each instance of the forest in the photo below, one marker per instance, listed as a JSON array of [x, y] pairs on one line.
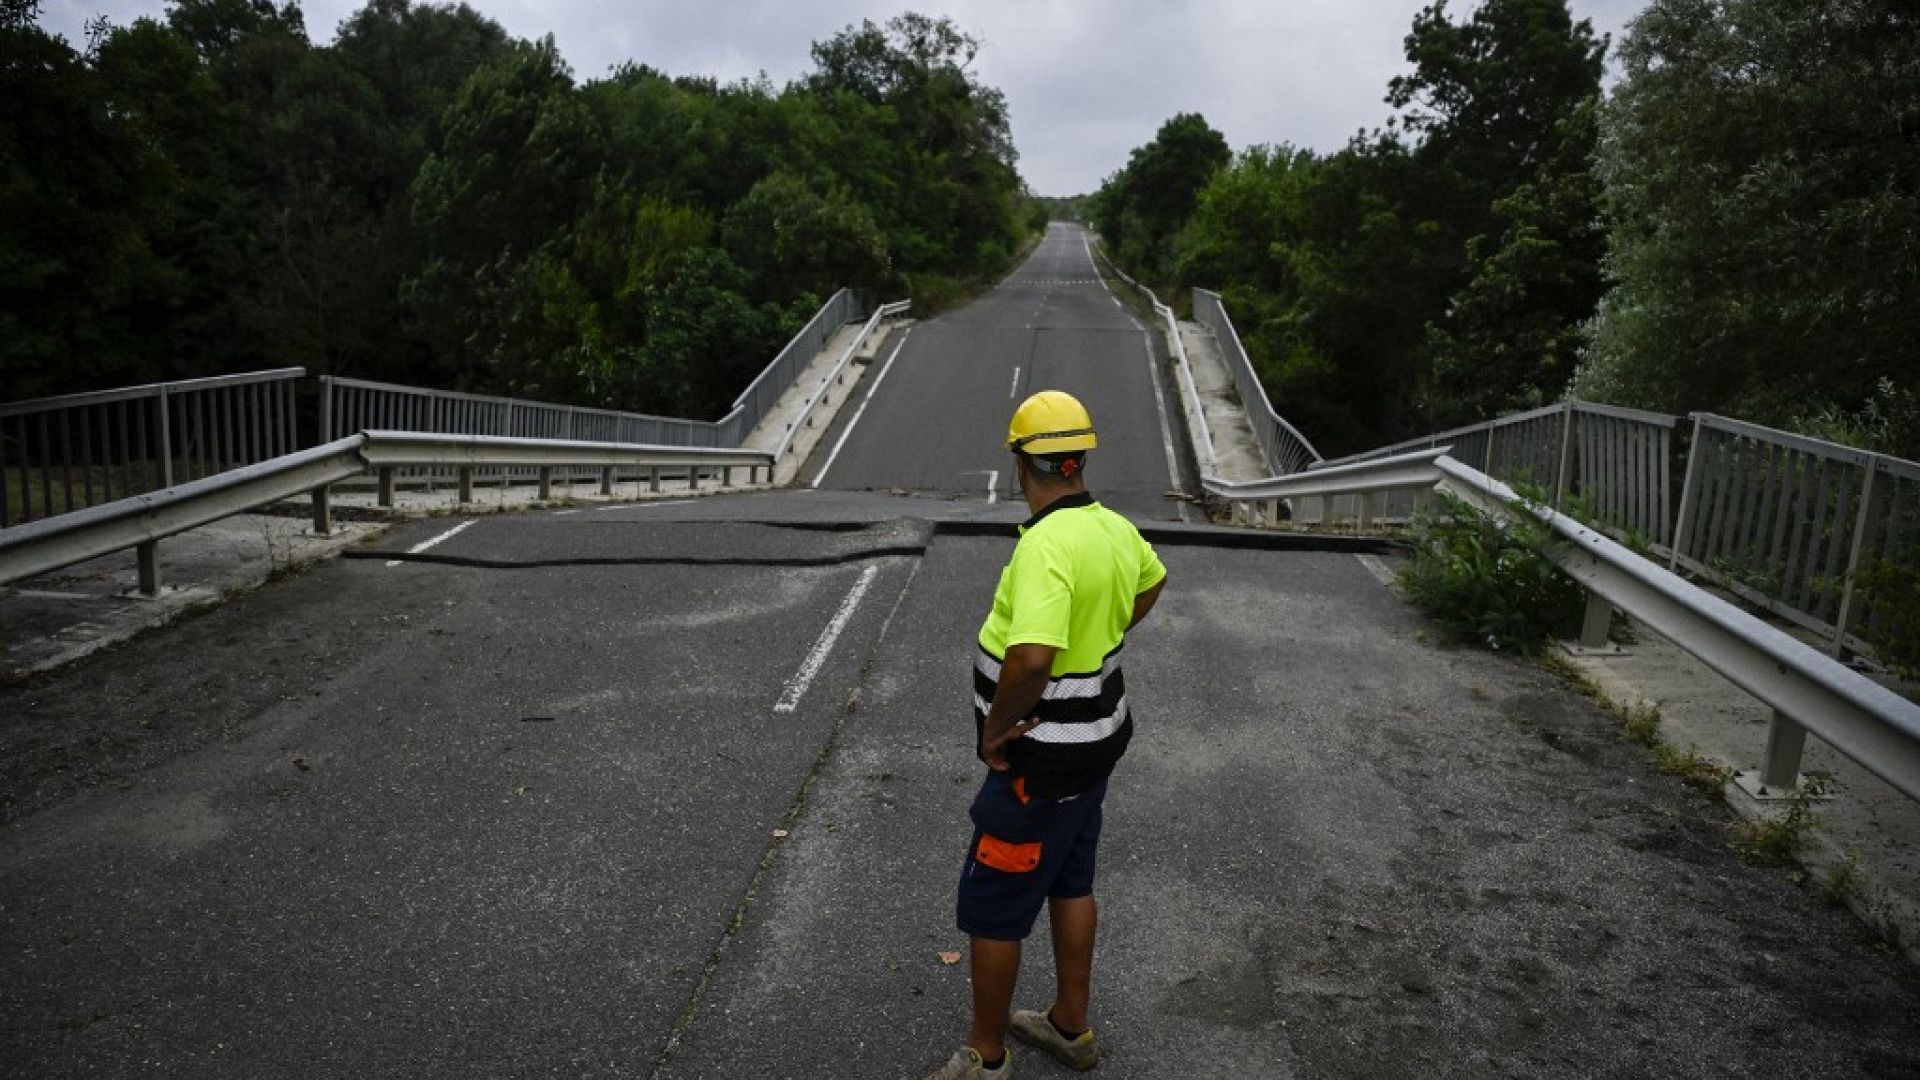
[[1733, 227], [427, 200]]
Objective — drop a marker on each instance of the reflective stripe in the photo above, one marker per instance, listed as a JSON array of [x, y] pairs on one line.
[[1061, 687], [1080, 733]]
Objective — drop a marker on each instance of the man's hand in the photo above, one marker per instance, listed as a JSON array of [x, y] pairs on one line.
[[1023, 678]]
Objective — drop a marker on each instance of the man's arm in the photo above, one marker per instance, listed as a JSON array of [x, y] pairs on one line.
[[1144, 602], [1023, 678]]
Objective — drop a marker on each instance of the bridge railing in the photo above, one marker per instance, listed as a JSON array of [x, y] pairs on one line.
[[1790, 523], [1286, 450], [1807, 690], [1615, 464], [348, 405], [62, 454], [142, 521]]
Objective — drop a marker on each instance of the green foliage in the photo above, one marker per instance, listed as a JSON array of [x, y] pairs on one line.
[[1776, 839], [1891, 590], [1762, 182], [1489, 582], [1140, 210], [427, 200], [1888, 422]]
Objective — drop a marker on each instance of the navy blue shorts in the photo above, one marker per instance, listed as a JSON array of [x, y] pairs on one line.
[[1024, 850]]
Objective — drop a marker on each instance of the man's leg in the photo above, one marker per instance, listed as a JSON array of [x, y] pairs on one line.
[[1074, 921], [996, 966]]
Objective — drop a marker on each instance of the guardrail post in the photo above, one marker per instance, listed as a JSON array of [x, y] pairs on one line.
[[1596, 622], [606, 480], [1364, 510], [726, 476], [653, 479], [465, 474], [693, 478], [546, 483], [1780, 768], [1873, 500], [323, 510], [386, 487], [149, 559]]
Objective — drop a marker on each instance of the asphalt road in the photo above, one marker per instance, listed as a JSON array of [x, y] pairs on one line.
[[932, 418], [678, 790]]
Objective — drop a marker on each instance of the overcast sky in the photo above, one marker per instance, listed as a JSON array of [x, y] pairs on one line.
[[1086, 80]]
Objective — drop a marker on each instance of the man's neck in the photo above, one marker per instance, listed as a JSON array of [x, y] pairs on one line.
[[1039, 498]]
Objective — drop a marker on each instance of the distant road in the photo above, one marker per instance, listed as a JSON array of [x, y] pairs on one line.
[[938, 412]]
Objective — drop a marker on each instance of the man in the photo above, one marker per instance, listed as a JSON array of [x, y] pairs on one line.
[[1051, 715]]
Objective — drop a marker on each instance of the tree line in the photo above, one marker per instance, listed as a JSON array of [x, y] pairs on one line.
[[428, 200], [1732, 228]]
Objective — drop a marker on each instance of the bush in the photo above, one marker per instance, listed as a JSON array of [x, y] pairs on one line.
[[1489, 582], [1892, 591]]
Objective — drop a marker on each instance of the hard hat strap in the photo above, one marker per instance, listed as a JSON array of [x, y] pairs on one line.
[[1024, 440]]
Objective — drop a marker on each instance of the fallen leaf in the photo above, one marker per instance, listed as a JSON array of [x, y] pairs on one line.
[[302, 764], [949, 958], [780, 834]]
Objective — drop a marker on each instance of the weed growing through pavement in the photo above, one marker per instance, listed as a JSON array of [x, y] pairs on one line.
[[1843, 883], [1776, 839]]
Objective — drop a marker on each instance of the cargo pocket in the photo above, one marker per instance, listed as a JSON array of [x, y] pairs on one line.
[[1010, 858]]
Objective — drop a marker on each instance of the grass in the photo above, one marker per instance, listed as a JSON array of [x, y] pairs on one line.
[[1640, 723], [1775, 840]]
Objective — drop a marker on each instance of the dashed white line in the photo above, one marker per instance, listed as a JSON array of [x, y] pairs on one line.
[[1014, 387], [859, 412], [425, 544], [993, 486], [644, 504], [810, 667]]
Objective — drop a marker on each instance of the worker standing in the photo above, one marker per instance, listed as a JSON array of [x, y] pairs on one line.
[[1051, 714]]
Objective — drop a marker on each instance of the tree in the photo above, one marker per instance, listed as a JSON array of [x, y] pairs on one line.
[[1140, 209], [1762, 188]]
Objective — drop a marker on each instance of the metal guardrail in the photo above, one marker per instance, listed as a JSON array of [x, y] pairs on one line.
[[1807, 690], [760, 396], [1196, 412], [1789, 522], [1286, 450], [834, 377], [142, 521], [61, 454]]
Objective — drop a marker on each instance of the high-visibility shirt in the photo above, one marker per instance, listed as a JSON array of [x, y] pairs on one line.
[[1070, 584]]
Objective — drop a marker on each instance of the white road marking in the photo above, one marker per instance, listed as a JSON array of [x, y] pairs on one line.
[[1166, 431], [803, 678], [49, 594], [1378, 569], [1014, 387], [425, 544], [861, 411], [993, 486]]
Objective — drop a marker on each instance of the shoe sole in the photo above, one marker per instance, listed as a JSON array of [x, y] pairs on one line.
[[1040, 1044]]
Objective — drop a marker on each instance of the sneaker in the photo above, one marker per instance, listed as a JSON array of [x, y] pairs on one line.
[[1035, 1029], [966, 1064]]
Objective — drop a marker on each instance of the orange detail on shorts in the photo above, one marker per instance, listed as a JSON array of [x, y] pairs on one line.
[[1012, 858], [1020, 789]]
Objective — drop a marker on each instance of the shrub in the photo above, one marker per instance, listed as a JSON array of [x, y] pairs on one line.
[[1489, 582]]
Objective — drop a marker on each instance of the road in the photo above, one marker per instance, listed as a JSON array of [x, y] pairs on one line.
[[936, 420], [679, 790]]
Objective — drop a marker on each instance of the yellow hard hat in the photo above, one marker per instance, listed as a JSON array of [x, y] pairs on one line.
[[1051, 422]]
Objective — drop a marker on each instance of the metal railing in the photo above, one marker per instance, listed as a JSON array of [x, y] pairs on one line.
[[1615, 464], [63, 454], [142, 521], [1808, 691], [348, 405], [1194, 409], [1285, 449], [1789, 522], [834, 377]]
